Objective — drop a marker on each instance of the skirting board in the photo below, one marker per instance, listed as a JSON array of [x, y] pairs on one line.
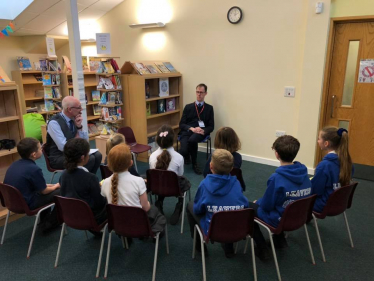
[[256, 159]]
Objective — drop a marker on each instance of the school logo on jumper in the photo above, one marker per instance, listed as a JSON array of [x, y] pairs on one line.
[[215, 209], [336, 186], [299, 193]]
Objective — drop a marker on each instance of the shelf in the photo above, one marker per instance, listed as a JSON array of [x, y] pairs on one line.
[[110, 90], [53, 99], [34, 98], [161, 98], [160, 75], [30, 71], [108, 74], [162, 114], [92, 136], [4, 152], [8, 118], [151, 134], [49, 112], [93, 117], [51, 85], [85, 85], [110, 121], [110, 105], [92, 102], [84, 72], [32, 83], [52, 72]]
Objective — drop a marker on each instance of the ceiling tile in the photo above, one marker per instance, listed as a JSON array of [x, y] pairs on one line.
[[106, 5], [44, 23], [87, 3], [59, 30], [24, 31], [24, 18], [91, 14], [39, 6], [59, 10]]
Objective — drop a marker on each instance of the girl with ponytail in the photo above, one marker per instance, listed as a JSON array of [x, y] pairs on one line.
[[335, 170]]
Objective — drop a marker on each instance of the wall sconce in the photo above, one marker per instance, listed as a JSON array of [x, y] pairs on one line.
[[147, 25]]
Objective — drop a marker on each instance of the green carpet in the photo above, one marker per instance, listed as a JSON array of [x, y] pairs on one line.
[[78, 259]]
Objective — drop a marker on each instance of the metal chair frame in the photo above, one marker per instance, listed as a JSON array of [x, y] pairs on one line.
[[206, 140], [49, 168]]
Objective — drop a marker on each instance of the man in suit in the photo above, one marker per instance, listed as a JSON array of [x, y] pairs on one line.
[[197, 122]]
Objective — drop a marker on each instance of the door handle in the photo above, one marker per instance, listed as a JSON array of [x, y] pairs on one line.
[[332, 106]]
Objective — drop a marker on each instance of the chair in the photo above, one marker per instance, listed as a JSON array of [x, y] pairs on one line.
[[77, 214], [105, 172], [131, 222], [166, 183], [228, 227], [206, 140], [135, 147], [14, 201], [294, 217], [49, 168], [338, 202], [238, 173]]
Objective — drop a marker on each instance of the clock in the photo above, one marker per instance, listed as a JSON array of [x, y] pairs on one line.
[[234, 15]]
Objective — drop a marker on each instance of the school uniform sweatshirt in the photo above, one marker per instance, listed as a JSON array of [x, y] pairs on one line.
[[218, 193], [287, 184]]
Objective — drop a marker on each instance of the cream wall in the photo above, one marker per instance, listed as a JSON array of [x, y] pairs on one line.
[[349, 8]]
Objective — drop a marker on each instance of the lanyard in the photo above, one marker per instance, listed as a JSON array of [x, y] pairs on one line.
[[198, 114]]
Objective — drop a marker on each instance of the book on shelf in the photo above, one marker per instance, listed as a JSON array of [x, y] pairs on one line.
[[38, 77], [140, 68], [103, 99], [48, 93], [116, 82], [115, 65], [85, 63], [148, 108], [170, 67], [105, 113], [96, 110], [37, 65], [147, 90], [47, 79], [71, 92], [67, 64], [70, 81], [49, 106], [105, 83], [92, 129], [52, 65], [56, 79], [108, 67], [152, 68], [99, 125], [40, 106], [170, 104], [57, 105], [95, 64], [95, 95], [43, 65], [56, 92], [164, 87], [4, 77], [162, 67], [31, 109], [112, 98], [24, 63], [161, 107]]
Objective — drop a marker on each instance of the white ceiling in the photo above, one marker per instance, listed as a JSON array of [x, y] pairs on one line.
[[49, 16]]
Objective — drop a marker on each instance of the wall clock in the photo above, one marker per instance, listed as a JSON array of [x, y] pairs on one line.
[[234, 15]]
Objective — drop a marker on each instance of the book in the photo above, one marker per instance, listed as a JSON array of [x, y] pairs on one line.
[[48, 93], [112, 97], [24, 63], [105, 113], [152, 68], [85, 63], [57, 105], [118, 98], [99, 125], [162, 67], [67, 64], [148, 108], [108, 67], [95, 95], [170, 67], [56, 79], [49, 106], [141, 68], [105, 83], [43, 65], [40, 106], [170, 104], [52, 65], [37, 65], [161, 108], [92, 129], [103, 98], [147, 90], [118, 82], [115, 65], [47, 79], [38, 77], [56, 92], [164, 87], [94, 64], [96, 110]]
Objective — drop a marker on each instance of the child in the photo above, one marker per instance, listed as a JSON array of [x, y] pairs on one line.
[[166, 158], [122, 188], [28, 178], [76, 181], [216, 191], [114, 140], [290, 182], [335, 170], [226, 138]]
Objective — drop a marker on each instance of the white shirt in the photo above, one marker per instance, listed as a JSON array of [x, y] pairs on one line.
[[176, 164], [129, 189]]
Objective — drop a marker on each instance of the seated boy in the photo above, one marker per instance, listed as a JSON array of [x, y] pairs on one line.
[[290, 182], [215, 193], [28, 178]]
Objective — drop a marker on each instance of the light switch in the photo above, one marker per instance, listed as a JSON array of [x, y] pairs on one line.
[[289, 92]]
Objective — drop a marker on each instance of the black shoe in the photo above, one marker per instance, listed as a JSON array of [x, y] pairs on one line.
[[196, 169], [159, 206], [263, 253], [48, 226], [280, 241], [229, 250], [177, 213], [198, 248], [187, 161]]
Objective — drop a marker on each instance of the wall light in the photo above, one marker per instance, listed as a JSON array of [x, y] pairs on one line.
[[147, 25]]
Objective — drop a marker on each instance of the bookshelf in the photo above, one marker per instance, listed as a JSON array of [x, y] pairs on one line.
[[135, 110], [11, 127]]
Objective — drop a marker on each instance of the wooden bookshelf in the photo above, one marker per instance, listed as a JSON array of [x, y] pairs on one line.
[[136, 103], [11, 127]]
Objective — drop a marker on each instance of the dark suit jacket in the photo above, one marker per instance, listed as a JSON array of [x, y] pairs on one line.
[[190, 118]]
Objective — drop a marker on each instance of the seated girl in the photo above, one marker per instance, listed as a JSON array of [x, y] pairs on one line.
[[166, 158], [122, 188], [77, 182]]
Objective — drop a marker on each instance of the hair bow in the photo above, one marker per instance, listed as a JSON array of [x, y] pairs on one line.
[[163, 134], [341, 131]]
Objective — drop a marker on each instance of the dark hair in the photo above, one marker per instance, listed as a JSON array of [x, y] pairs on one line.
[[73, 151], [202, 85], [164, 142], [27, 146], [340, 145], [287, 147], [226, 138]]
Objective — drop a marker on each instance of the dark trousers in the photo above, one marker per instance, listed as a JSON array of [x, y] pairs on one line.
[[189, 142], [45, 199], [92, 165]]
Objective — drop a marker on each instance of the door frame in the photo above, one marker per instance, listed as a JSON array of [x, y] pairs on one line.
[[327, 71]]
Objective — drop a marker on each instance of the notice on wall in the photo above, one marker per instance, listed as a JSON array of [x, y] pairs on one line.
[[50, 46], [366, 72], [103, 43]]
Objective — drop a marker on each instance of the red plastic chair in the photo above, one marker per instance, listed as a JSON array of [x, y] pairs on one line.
[[49, 168], [165, 183], [239, 175], [135, 147], [14, 201], [228, 227], [131, 222], [294, 217], [105, 172], [77, 214], [338, 202]]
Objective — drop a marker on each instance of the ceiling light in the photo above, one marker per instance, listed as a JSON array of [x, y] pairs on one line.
[[147, 25]]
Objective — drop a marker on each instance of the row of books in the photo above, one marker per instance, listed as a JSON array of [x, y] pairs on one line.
[[51, 79], [153, 67], [99, 127], [52, 93], [164, 105], [24, 64], [110, 98], [163, 84], [51, 105], [109, 83], [94, 64], [111, 113]]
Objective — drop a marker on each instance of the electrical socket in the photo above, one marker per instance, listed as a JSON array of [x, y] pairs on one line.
[[279, 133]]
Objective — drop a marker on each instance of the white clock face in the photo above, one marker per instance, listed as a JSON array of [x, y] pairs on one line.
[[234, 15]]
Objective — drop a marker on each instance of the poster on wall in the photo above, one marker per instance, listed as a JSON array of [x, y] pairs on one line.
[[50, 47], [103, 43], [366, 72]]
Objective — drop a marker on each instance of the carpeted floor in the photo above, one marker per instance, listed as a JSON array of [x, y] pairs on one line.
[[79, 257]]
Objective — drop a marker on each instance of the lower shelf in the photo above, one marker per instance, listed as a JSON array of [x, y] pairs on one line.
[[4, 152]]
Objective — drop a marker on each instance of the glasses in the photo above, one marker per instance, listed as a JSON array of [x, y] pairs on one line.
[[76, 107], [199, 93]]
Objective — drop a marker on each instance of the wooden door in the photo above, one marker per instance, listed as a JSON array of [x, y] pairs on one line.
[[347, 102]]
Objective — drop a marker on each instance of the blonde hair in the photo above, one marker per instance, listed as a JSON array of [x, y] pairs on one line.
[[114, 140], [222, 161], [119, 160]]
